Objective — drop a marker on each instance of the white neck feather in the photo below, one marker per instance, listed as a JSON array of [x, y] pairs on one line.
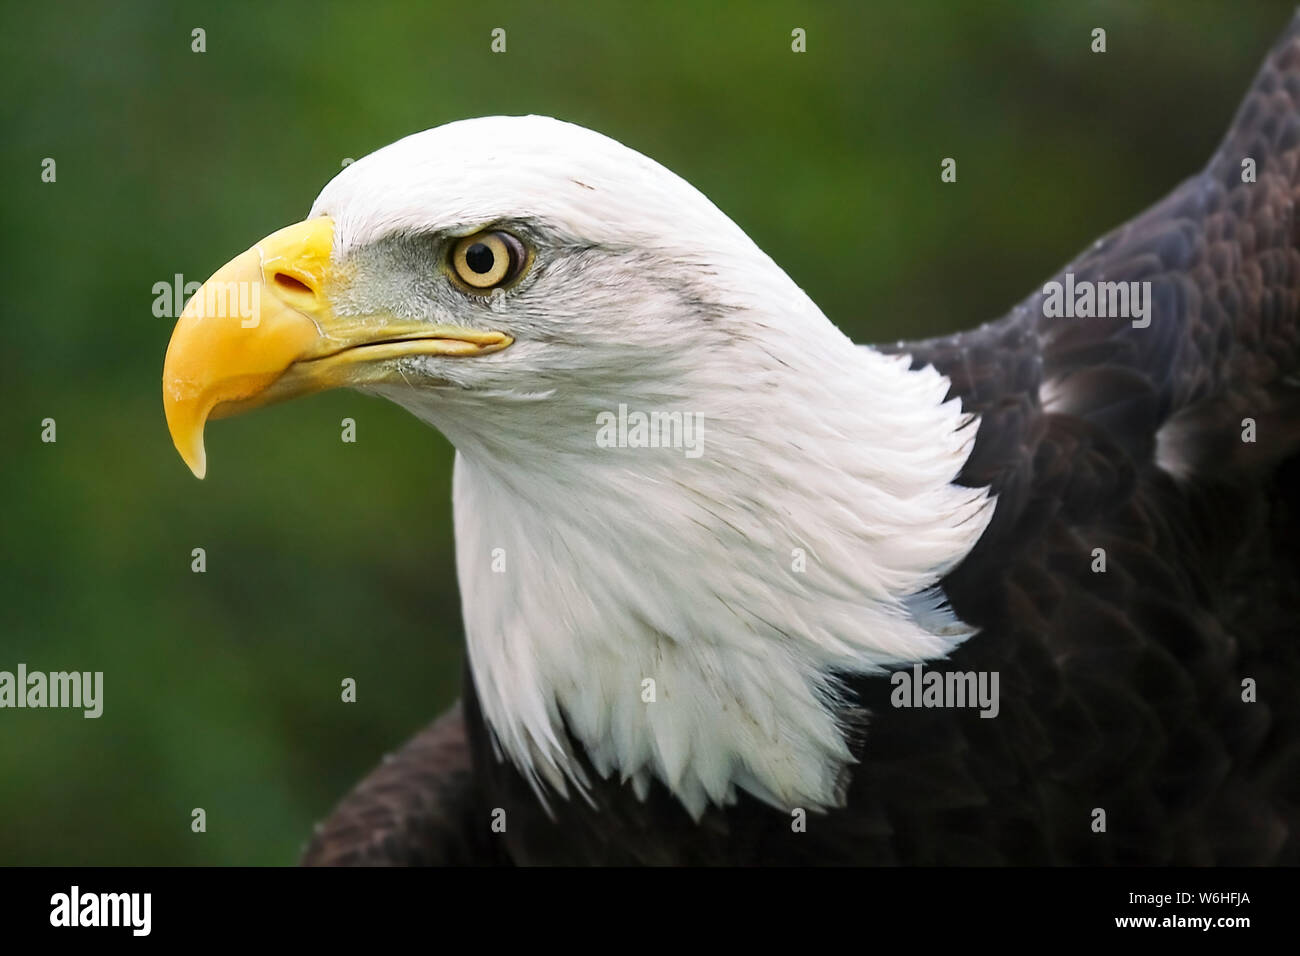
[[806, 540]]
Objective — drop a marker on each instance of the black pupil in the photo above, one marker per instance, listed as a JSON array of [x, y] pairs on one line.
[[480, 258]]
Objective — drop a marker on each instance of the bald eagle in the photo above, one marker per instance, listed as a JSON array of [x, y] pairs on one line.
[[738, 590]]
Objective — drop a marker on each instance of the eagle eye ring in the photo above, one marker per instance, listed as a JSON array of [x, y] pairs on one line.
[[488, 260]]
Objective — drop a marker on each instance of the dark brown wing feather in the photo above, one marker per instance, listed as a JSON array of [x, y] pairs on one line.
[[1123, 690], [421, 807]]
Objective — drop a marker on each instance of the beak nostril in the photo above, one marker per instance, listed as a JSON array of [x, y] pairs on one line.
[[289, 284]]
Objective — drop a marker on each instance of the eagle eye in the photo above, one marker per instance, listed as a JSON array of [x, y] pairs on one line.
[[487, 260]]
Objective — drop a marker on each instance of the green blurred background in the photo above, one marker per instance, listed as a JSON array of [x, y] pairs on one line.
[[328, 560]]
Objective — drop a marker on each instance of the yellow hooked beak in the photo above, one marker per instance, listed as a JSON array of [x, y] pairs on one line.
[[262, 330]]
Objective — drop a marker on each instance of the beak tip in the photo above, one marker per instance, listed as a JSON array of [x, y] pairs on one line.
[[185, 421], [197, 460], [190, 447]]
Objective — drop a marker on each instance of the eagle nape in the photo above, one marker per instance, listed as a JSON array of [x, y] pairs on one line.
[[944, 599]]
